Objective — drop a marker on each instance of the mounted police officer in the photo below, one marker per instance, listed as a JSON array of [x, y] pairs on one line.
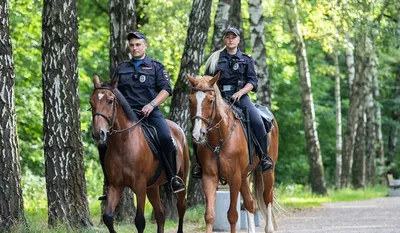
[[238, 77], [145, 83]]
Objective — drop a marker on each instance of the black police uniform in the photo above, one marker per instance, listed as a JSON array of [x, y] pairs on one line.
[[140, 85], [236, 71]]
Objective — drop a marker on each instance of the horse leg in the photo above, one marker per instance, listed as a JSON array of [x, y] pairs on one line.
[[248, 205], [234, 187], [210, 184], [268, 195], [153, 195], [181, 206], [113, 196], [140, 222]]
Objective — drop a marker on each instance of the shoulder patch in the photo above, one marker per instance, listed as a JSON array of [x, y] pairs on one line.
[[165, 74]]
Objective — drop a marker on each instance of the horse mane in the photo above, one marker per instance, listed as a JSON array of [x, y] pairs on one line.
[[222, 107], [212, 61], [122, 101]]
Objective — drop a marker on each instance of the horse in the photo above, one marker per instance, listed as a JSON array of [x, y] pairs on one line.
[[223, 155], [129, 161]]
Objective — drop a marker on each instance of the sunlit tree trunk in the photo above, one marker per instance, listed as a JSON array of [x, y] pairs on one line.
[[259, 52], [63, 150], [11, 201], [339, 143], [122, 21], [347, 157], [192, 59], [310, 127], [359, 167]]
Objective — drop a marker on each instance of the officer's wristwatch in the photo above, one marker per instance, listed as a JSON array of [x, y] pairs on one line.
[[153, 104]]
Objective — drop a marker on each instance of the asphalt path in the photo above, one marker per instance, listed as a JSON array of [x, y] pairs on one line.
[[381, 215]]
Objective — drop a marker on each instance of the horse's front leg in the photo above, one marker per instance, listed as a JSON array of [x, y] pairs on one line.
[[140, 222], [234, 186], [113, 196], [210, 184], [153, 195]]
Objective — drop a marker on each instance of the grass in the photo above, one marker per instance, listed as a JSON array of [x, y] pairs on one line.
[[290, 196], [299, 196]]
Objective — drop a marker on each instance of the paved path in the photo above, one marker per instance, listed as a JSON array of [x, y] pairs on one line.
[[380, 215]]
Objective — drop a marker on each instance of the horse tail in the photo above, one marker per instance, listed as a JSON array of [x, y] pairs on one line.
[[212, 61], [258, 193]]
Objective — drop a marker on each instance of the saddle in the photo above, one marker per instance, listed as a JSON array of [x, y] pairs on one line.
[[267, 118]]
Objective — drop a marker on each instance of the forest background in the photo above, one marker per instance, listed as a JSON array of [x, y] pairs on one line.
[[330, 32]]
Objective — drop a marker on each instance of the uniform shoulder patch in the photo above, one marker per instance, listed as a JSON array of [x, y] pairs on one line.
[[165, 74]]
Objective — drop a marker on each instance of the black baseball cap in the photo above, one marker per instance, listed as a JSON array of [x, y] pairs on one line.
[[233, 30], [135, 35]]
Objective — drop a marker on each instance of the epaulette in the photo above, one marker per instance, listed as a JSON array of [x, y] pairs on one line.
[[155, 61], [126, 61], [246, 55]]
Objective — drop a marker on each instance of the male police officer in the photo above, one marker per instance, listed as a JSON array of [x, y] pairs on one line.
[[145, 84]]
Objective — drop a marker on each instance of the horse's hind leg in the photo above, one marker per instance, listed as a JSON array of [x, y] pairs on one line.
[[153, 194], [181, 206], [248, 205], [268, 200], [113, 196]]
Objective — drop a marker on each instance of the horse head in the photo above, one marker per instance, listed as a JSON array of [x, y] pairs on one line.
[[205, 103], [104, 106]]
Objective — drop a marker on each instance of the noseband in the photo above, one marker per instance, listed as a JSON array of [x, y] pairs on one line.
[[111, 120], [210, 120]]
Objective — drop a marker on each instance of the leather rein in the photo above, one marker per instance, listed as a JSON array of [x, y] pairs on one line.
[[111, 120]]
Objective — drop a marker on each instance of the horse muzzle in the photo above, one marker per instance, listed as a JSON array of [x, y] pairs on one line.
[[101, 136]]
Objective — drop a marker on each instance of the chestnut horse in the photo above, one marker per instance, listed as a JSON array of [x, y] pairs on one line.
[[217, 132], [129, 161]]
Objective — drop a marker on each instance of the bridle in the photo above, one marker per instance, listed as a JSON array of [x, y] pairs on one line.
[[210, 120], [111, 120]]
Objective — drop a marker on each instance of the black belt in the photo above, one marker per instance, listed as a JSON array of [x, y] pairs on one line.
[[224, 88]]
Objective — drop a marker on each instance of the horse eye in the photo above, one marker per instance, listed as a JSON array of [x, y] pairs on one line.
[[110, 101]]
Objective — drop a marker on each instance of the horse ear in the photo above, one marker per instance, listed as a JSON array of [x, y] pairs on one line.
[[215, 78], [114, 81], [192, 80], [96, 81]]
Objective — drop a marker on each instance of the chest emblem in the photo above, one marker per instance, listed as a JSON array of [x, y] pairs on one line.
[[142, 78], [235, 66]]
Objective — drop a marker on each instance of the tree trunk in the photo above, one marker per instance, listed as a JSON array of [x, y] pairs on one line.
[[221, 22], [313, 147], [11, 201], [192, 58], [228, 14], [63, 151], [259, 52], [122, 21], [358, 168], [339, 143]]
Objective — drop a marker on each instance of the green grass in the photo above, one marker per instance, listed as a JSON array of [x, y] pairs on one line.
[[299, 196]]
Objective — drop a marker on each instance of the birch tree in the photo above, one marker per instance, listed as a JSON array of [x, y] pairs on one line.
[[11, 202], [63, 151]]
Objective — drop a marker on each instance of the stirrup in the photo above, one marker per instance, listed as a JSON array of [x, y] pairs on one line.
[[181, 182], [102, 197], [197, 172]]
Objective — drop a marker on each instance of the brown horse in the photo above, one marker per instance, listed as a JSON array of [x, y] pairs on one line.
[[129, 161], [217, 132]]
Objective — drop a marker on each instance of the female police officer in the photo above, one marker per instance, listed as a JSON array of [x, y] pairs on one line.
[[145, 84], [238, 77]]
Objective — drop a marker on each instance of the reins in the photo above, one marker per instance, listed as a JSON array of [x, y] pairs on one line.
[[111, 121], [217, 149]]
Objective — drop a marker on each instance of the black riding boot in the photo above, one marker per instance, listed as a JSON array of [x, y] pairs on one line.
[[197, 172], [267, 164], [102, 153], [175, 182]]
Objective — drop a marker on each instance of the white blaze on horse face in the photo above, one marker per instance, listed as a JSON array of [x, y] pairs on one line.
[[100, 96], [200, 96]]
